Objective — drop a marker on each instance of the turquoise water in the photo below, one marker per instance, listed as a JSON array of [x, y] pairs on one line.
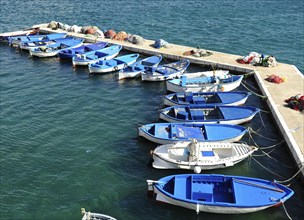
[[69, 140]]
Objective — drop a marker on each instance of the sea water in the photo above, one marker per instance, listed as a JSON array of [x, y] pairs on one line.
[[69, 139]]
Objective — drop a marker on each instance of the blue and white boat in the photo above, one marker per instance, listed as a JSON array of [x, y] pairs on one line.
[[201, 98], [54, 49], [198, 156], [218, 73], [70, 53], [138, 67], [208, 114], [115, 64], [4, 37], [94, 56], [204, 84], [168, 133], [43, 43], [18, 40], [165, 72], [219, 193]]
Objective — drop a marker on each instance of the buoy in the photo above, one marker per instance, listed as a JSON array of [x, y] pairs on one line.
[[151, 152], [197, 169], [82, 211]]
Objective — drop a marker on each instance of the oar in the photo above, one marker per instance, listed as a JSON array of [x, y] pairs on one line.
[[257, 185]]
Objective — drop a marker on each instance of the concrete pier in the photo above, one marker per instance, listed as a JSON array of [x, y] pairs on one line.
[[289, 121]]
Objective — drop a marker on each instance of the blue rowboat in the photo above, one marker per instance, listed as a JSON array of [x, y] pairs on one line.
[[165, 72], [204, 84], [168, 133], [138, 67], [53, 49], [208, 114], [115, 64], [70, 53], [219, 193], [18, 40], [94, 56], [201, 98], [43, 43]]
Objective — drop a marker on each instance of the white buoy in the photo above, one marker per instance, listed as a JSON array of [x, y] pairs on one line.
[[197, 169]]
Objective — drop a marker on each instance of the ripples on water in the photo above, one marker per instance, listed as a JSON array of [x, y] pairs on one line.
[[69, 140]]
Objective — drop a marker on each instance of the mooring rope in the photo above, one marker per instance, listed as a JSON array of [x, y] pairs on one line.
[[263, 148], [265, 167], [286, 211], [267, 153], [288, 180], [261, 96], [251, 130], [248, 74], [262, 120]]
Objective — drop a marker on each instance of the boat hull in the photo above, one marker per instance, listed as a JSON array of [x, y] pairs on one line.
[[233, 115], [93, 69], [160, 134], [87, 62], [158, 78], [206, 208], [221, 155], [218, 193], [51, 53], [207, 87], [183, 98]]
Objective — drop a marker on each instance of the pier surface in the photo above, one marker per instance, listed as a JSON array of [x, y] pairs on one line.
[[289, 121]]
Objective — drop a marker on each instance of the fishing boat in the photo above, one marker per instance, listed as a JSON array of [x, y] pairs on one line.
[[53, 49], [200, 156], [204, 84], [208, 114], [168, 133], [115, 64], [213, 98], [4, 38], [42, 43], [94, 56], [18, 40], [217, 193], [218, 73], [70, 53], [95, 216], [138, 67], [165, 72]]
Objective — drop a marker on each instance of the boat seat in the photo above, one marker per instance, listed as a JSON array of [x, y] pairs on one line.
[[137, 68], [197, 115], [182, 115], [182, 187], [111, 62], [147, 63], [202, 191], [188, 96], [199, 100]]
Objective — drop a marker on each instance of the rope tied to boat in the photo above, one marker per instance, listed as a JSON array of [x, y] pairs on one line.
[[291, 178], [285, 210], [255, 93], [265, 167], [251, 130], [248, 74], [267, 153]]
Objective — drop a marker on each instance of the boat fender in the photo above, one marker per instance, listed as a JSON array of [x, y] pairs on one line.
[[197, 169], [115, 68]]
